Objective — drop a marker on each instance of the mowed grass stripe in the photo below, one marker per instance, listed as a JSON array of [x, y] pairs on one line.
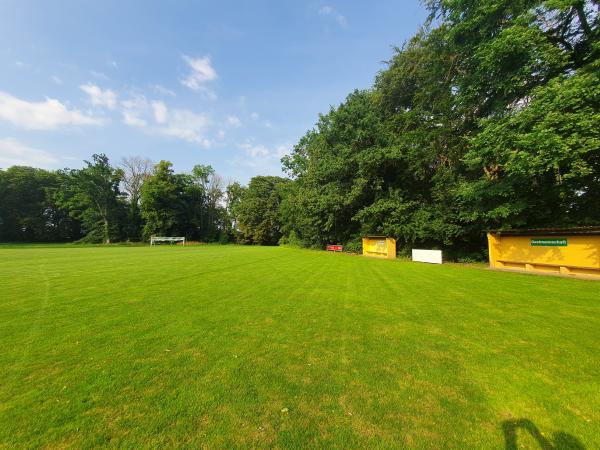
[[236, 347]]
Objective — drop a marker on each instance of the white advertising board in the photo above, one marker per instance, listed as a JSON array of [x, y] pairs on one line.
[[427, 256]]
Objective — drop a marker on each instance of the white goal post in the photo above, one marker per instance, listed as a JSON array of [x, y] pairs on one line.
[[169, 239]]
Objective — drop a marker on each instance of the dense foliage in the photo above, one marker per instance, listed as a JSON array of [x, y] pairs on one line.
[[488, 120], [489, 117], [92, 195], [28, 209], [258, 211], [102, 203]]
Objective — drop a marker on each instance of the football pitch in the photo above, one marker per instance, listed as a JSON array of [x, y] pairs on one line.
[[237, 347]]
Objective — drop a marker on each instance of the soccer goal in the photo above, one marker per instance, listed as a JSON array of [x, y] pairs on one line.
[[169, 239]]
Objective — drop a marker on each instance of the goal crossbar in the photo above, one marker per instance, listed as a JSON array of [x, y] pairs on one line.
[[170, 239]]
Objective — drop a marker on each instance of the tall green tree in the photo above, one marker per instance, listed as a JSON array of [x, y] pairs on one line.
[[540, 164], [200, 215], [527, 76], [258, 211], [28, 211], [92, 195], [183, 204], [161, 204], [234, 194], [335, 178]]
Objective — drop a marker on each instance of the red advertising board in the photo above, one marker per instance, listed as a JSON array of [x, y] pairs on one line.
[[335, 248]]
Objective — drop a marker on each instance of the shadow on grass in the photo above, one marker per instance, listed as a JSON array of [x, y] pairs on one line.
[[560, 441]]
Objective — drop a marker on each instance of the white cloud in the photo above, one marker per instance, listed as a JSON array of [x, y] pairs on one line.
[[14, 153], [156, 118], [133, 120], [233, 122], [330, 11], [186, 125], [254, 116], [56, 80], [99, 97], [267, 124], [46, 115], [160, 112], [255, 150], [202, 71], [133, 110], [260, 158]]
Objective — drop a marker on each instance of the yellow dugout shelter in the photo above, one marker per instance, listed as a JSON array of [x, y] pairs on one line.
[[379, 246], [567, 251]]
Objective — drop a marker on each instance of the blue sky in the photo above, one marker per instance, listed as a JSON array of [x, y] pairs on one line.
[[231, 84]]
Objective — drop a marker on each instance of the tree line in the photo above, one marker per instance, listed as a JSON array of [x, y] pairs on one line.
[[105, 203], [487, 118], [134, 200]]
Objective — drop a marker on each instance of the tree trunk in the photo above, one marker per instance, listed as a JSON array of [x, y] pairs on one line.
[[106, 235]]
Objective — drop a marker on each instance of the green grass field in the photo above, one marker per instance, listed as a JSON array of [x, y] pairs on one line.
[[237, 347]]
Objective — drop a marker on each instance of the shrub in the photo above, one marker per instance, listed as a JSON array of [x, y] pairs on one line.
[[354, 246], [223, 237], [292, 240]]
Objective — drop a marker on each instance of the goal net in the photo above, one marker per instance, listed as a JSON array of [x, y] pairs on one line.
[[167, 239]]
